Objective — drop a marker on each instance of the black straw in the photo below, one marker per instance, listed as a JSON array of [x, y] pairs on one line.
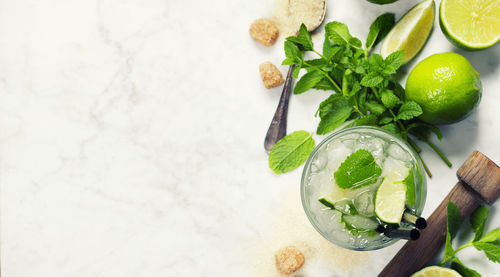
[[402, 233], [419, 222]]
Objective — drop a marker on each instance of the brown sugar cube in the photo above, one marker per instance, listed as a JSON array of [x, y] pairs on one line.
[[289, 259], [264, 31], [271, 76]]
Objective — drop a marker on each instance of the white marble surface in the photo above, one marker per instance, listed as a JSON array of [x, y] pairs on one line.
[[131, 135]]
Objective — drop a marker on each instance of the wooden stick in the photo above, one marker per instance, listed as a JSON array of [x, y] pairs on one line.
[[479, 182]]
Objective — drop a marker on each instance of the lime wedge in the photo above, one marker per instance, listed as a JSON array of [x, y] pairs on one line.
[[436, 271], [470, 24], [411, 32], [390, 200]]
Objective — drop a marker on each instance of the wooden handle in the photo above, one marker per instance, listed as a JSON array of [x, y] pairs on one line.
[[478, 175]]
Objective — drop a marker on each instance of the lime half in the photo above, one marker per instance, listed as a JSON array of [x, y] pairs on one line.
[[470, 24], [411, 32], [436, 271], [390, 200]]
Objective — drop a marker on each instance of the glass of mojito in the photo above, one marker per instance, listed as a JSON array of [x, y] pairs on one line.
[[362, 188]]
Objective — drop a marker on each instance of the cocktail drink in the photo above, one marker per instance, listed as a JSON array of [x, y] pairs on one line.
[[362, 184]]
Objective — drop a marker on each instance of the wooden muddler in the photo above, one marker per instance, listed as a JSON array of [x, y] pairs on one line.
[[479, 181]]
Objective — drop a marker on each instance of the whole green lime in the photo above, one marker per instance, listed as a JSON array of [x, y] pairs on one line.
[[382, 2], [446, 86]]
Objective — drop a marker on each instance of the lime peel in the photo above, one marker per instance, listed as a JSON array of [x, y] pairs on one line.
[[470, 24], [411, 32]]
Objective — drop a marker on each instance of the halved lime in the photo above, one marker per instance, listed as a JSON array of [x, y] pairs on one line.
[[436, 271], [390, 200], [470, 24], [411, 32]]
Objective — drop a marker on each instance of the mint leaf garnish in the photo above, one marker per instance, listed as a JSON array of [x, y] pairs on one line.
[[292, 53], [334, 111], [367, 120], [389, 99], [452, 226], [291, 151], [477, 220], [379, 29], [395, 59], [372, 79], [491, 250], [339, 34], [375, 107], [491, 236], [308, 81], [359, 169], [457, 265], [303, 40], [409, 181], [409, 110]]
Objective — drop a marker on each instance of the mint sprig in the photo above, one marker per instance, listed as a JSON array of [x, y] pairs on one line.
[[359, 169], [362, 84], [291, 151], [488, 243]]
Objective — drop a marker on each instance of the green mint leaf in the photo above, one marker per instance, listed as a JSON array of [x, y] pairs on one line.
[[385, 120], [409, 110], [375, 107], [345, 82], [291, 151], [389, 99], [293, 53], [367, 120], [372, 79], [452, 226], [392, 128], [491, 236], [388, 70], [477, 220], [379, 29], [395, 59], [339, 34], [452, 219], [334, 111], [376, 62], [457, 265], [409, 181], [303, 39], [492, 251], [325, 84], [314, 64], [359, 169], [296, 71], [328, 49], [308, 81], [356, 43], [327, 203]]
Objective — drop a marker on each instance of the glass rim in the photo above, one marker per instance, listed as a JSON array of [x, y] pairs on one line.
[[401, 142]]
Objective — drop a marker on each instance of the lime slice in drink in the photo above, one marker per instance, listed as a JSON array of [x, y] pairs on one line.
[[390, 200], [470, 24], [436, 271], [411, 32]]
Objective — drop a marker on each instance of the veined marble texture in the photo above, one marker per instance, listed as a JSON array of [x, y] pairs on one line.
[[131, 136]]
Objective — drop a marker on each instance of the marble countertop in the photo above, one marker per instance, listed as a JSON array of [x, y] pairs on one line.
[[131, 139]]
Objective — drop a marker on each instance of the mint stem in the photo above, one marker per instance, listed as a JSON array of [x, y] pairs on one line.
[[436, 149], [414, 145], [325, 74], [425, 166]]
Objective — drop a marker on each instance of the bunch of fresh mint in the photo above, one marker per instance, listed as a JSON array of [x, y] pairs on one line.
[[364, 90], [488, 243]]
